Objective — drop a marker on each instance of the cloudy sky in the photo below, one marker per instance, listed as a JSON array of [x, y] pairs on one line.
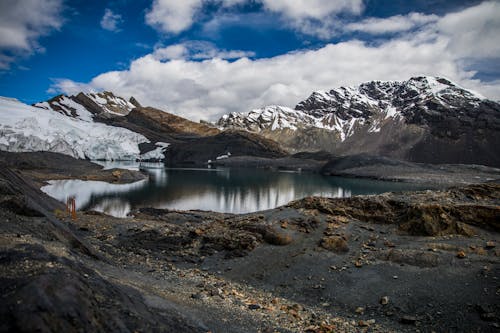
[[204, 58]]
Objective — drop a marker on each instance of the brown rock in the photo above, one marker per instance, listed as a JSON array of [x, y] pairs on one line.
[[334, 243], [461, 254], [490, 244]]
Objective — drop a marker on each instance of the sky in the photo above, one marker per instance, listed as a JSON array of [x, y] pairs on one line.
[[204, 58]]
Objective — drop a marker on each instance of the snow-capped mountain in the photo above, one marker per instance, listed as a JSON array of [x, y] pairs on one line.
[[428, 119], [86, 105], [25, 128]]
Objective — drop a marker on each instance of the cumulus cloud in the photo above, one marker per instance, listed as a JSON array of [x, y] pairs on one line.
[[474, 32], [172, 16], [22, 22], [110, 21], [171, 78]]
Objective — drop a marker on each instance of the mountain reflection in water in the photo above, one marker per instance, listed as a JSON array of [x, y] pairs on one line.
[[221, 190]]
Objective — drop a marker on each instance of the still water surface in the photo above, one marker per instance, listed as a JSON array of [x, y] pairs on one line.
[[221, 190]]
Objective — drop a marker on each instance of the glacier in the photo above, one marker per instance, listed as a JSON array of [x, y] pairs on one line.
[[24, 128]]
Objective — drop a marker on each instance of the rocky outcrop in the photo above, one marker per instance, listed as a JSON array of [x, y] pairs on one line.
[[423, 119], [198, 151], [161, 121], [104, 104], [437, 213]]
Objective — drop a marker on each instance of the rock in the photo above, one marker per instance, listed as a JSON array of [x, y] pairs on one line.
[[254, 306], [196, 296], [384, 300], [274, 237], [117, 174], [409, 320], [461, 254], [389, 244], [334, 243], [358, 264], [490, 244], [360, 310], [363, 323], [488, 316]]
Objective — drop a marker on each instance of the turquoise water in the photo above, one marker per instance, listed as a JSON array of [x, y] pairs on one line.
[[221, 190]]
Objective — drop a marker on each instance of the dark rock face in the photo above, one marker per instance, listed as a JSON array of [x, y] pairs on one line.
[[198, 151], [424, 119]]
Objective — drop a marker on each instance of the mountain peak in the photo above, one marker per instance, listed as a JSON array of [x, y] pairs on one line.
[[86, 105]]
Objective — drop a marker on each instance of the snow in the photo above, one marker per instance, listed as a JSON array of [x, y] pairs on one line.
[[24, 128], [435, 86], [391, 112], [221, 157], [104, 100], [155, 154], [68, 106]]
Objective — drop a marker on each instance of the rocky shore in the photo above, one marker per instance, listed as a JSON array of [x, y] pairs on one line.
[[397, 262]]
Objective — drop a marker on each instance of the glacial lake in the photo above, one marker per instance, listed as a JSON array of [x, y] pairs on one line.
[[219, 189]]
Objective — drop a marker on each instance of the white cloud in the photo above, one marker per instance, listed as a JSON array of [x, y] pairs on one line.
[[393, 24], [110, 20], [22, 22], [475, 31], [173, 78], [172, 16], [69, 87], [317, 9], [197, 50]]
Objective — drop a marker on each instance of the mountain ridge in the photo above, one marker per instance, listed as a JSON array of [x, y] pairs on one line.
[[388, 118]]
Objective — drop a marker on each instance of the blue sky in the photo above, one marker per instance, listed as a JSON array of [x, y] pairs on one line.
[[203, 58]]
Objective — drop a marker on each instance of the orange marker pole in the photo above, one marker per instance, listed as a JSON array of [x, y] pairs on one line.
[[73, 208]]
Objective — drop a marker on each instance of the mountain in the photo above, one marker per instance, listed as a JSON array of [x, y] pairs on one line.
[[423, 119], [108, 127], [25, 128]]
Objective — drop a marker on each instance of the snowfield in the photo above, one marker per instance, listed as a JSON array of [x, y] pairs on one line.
[[24, 128]]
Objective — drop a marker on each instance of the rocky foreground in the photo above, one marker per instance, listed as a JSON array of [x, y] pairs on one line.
[[397, 262]]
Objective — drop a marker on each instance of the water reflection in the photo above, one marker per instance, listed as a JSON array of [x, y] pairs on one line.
[[222, 190]]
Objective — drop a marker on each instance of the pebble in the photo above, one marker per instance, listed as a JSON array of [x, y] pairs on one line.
[[490, 244], [461, 254], [254, 306], [196, 296], [384, 300], [406, 319], [360, 310]]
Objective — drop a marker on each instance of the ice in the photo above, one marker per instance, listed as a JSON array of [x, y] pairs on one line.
[[28, 128]]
